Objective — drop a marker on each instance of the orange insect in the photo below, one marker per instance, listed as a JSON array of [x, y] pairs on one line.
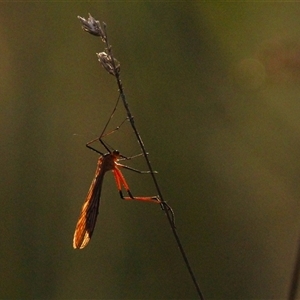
[[89, 212]]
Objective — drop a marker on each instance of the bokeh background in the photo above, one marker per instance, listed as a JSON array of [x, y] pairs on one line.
[[215, 92]]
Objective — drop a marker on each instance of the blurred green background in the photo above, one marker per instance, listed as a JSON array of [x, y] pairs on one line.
[[214, 89]]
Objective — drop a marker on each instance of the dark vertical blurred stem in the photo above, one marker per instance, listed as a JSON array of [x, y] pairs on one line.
[[295, 276]]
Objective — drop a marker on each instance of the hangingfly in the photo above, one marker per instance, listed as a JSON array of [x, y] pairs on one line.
[[89, 212]]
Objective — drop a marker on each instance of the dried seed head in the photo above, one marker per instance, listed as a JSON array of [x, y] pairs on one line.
[[92, 26], [112, 67]]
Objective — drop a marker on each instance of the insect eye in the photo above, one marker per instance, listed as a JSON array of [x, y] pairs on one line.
[[116, 152]]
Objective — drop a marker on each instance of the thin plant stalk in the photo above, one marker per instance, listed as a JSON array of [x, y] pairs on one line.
[[163, 202], [113, 67]]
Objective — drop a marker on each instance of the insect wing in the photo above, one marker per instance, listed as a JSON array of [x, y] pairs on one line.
[[89, 212]]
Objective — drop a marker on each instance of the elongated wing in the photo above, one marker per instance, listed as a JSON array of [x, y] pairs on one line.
[[89, 212]]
